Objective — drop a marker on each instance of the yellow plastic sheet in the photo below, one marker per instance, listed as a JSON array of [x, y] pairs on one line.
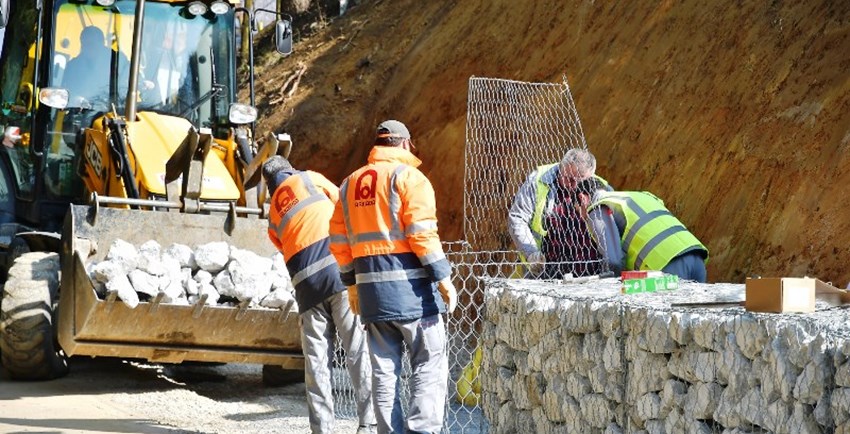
[[469, 384]]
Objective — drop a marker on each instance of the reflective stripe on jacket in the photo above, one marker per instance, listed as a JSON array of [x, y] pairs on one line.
[[384, 236], [299, 218], [652, 236]]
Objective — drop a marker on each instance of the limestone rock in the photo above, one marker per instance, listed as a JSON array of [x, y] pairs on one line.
[[121, 285], [701, 400], [277, 299], [183, 254], [144, 283], [124, 254], [212, 257], [150, 258], [596, 410]]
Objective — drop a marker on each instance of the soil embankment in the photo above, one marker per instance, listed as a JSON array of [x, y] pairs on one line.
[[736, 114]]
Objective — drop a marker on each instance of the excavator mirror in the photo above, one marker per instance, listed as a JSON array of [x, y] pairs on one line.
[[241, 114], [4, 13], [53, 97], [282, 37]]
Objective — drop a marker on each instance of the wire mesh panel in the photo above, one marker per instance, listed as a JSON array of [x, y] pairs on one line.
[[515, 133], [512, 129], [463, 414], [345, 400]]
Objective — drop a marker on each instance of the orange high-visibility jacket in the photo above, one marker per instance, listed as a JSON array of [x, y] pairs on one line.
[[299, 215], [384, 236]]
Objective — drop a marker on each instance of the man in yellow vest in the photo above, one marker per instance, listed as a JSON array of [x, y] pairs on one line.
[[549, 195], [636, 232]]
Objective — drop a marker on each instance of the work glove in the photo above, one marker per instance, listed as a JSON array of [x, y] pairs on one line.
[[449, 293], [536, 263], [353, 300]]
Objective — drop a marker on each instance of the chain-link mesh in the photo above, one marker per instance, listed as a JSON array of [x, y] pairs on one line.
[[512, 128], [345, 401]]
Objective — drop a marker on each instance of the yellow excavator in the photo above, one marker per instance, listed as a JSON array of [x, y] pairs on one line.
[[121, 121]]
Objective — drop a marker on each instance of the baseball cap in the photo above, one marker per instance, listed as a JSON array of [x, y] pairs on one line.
[[393, 128]]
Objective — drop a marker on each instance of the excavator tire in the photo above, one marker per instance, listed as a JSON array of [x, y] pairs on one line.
[[278, 376], [28, 346]]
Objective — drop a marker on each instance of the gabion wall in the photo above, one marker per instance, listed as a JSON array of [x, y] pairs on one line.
[[584, 358]]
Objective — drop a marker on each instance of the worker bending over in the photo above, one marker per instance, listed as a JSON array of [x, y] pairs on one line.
[[637, 232], [301, 207]]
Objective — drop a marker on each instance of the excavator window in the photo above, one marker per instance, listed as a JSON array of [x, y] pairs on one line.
[[186, 70], [183, 58]]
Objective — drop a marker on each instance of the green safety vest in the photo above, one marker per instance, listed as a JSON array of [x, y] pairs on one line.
[[536, 223], [652, 236]]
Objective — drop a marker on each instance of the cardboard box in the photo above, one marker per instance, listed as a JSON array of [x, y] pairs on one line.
[[780, 294], [825, 292], [651, 284]]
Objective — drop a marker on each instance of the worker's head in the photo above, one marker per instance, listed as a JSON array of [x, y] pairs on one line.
[[576, 166], [588, 191], [91, 38], [394, 134], [275, 170], [589, 188]]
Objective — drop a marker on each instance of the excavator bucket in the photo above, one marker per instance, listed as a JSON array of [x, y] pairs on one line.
[[160, 332]]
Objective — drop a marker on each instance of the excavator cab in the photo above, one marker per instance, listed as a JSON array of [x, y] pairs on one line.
[[97, 95], [186, 71]]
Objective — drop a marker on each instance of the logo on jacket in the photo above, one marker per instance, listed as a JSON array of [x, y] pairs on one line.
[[285, 199], [364, 190]]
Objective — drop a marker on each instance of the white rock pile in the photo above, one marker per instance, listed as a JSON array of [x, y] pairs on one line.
[[216, 272]]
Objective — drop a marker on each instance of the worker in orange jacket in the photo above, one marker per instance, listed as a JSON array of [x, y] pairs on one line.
[[384, 236], [301, 207]]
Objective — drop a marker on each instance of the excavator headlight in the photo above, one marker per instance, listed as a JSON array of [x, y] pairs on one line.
[[105, 2], [53, 97], [219, 7], [241, 114], [197, 8]]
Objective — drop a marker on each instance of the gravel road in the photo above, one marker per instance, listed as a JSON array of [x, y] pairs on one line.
[[110, 395]]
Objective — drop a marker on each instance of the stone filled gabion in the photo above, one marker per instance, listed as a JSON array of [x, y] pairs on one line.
[[216, 272], [586, 358]]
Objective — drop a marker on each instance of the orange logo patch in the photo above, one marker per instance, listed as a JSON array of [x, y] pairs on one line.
[[364, 189], [285, 199]]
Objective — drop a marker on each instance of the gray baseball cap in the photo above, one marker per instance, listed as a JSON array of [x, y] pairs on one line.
[[393, 128]]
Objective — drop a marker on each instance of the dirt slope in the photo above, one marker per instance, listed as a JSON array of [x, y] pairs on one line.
[[736, 114]]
